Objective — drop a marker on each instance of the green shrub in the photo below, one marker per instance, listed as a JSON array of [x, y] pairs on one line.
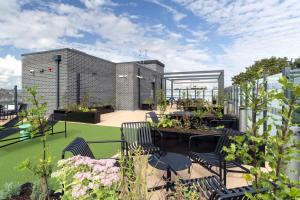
[[167, 123], [9, 190]]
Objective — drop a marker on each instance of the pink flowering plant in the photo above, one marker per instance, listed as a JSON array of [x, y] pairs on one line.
[[85, 178]]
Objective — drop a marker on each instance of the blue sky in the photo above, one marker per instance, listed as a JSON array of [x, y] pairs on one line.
[[186, 35]]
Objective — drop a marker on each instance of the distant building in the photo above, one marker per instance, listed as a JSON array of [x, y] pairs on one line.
[[125, 85], [6, 96]]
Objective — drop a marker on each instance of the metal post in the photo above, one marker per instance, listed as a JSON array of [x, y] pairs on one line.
[[16, 99], [52, 124], [57, 58], [187, 93], [265, 112], [139, 88], [172, 83], [165, 87], [66, 114]]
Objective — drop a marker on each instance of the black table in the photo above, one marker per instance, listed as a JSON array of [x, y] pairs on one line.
[[169, 162]]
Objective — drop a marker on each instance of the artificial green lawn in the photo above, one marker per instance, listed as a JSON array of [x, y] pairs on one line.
[[12, 156]]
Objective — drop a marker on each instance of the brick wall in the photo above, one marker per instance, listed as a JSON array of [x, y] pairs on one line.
[[45, 82], [99, 79]]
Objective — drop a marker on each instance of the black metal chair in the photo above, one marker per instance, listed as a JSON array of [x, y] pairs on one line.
[[216, 158], [155, 118], [212, 188], [139, 135], [79, 146]]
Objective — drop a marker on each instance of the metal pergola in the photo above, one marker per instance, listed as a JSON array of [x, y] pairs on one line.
[[209, 76]]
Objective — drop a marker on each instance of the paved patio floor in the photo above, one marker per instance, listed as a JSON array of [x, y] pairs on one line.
[[154, 175], [118, 117]]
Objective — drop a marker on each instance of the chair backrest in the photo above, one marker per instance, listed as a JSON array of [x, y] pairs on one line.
[[223, 141], [153, 117], [78, 147], [136, 132], [23, 107]]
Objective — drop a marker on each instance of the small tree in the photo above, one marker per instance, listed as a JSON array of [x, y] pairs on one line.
[[279, 148], [36, 116], [161, 101]]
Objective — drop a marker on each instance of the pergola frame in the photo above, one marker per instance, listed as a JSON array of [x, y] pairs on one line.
[[210, 76]]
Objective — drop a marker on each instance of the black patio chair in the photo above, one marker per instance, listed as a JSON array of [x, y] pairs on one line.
[[216, 158], [154, 117], [212, 188], [139, 135], [80, 147]]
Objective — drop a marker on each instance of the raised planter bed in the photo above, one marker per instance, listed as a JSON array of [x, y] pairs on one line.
[[104, 109], [177, 140], [147, 106], [77, 116]]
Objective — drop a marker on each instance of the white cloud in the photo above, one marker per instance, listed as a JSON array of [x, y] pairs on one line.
[[258, 29], [10, 72], [118, 37], [97, 3], [177, 16]]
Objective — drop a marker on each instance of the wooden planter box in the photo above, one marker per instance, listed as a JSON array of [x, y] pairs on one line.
[[147, 106], [76, 116]]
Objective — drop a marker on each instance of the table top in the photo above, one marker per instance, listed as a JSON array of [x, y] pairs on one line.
[[175, 161]]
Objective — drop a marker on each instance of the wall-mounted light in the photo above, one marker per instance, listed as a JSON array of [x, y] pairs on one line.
[[122, 76], [32, 71], [140, 77]]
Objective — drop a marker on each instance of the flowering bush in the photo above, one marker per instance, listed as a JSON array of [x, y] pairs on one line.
[[86, 178]]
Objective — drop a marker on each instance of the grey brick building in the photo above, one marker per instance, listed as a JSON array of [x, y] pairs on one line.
[[124, 85]]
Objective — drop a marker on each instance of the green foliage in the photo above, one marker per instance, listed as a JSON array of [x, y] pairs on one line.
[[161, 101], [37, 116], [296, 63], [78, 108], [219, 111], [83, 106], [167, 123], [42, 168], [9, 190], [148, 101], [279, 148], [184, 192], [197, 119], [260, 68], [134, 172]]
